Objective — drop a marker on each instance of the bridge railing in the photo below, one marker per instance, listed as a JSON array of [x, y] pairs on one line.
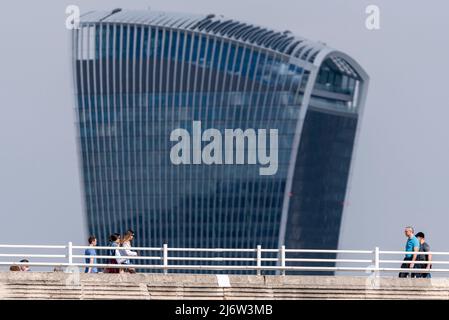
[[250, 260]]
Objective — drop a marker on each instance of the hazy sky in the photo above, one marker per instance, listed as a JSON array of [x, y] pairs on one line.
[[401, 173]]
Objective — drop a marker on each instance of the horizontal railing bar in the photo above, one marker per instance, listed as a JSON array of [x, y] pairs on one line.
[[33, 246], [115, 248], [219, 249], [118, 257], [408, 270], [413, 252], [98, 265], [212, 249], [32, 255], [414, 262], [327, 251], [211, 259], [187, 267], [326, 260]]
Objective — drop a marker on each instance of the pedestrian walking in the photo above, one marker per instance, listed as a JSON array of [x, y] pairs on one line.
[[423, 247], [125, 250], [91, 252], [411, 245], [114, 253]]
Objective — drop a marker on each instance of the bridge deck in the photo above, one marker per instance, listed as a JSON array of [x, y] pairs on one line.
[[36, 285]]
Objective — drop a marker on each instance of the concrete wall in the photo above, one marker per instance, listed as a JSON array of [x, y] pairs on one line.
[[20, 285]]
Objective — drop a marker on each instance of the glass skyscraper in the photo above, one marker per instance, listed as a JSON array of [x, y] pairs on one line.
[[139, 75]]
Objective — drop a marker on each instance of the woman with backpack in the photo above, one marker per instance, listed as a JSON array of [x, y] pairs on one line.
[[114, 241]]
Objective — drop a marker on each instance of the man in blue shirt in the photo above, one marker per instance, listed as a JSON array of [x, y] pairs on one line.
[[412, 245], [91, 252]]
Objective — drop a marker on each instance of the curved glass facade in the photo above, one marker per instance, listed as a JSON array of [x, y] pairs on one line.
[[136, 82]]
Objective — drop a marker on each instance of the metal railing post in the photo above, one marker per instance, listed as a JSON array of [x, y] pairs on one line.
[[70, 253], [282, 257], [259, 258], [376, 261], [165, 258]]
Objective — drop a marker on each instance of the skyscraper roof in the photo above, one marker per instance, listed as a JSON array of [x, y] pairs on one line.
[[283, 42]]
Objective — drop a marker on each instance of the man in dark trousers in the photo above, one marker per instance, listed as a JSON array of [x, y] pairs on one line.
[[423, 247], [412, 245]]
